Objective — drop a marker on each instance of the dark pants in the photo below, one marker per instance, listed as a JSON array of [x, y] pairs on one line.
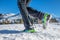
[[24, 12]]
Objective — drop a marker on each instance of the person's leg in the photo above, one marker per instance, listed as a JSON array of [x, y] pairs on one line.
[[24, 13]]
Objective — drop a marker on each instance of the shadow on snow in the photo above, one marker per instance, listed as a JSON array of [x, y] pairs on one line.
[[9, 31]]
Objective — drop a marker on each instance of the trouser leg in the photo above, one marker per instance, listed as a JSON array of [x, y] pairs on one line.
[[24, 13]]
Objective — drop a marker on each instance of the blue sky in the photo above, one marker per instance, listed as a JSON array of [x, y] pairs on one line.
[[49, 6]]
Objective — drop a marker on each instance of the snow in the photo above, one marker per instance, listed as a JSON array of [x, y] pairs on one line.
[[11, 32]]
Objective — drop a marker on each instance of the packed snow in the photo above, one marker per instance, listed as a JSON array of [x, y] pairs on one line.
[[12, 32]]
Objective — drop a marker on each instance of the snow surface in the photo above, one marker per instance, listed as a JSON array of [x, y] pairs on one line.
[[12, 32]]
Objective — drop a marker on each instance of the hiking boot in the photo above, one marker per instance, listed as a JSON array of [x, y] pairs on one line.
[[29, 30]]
